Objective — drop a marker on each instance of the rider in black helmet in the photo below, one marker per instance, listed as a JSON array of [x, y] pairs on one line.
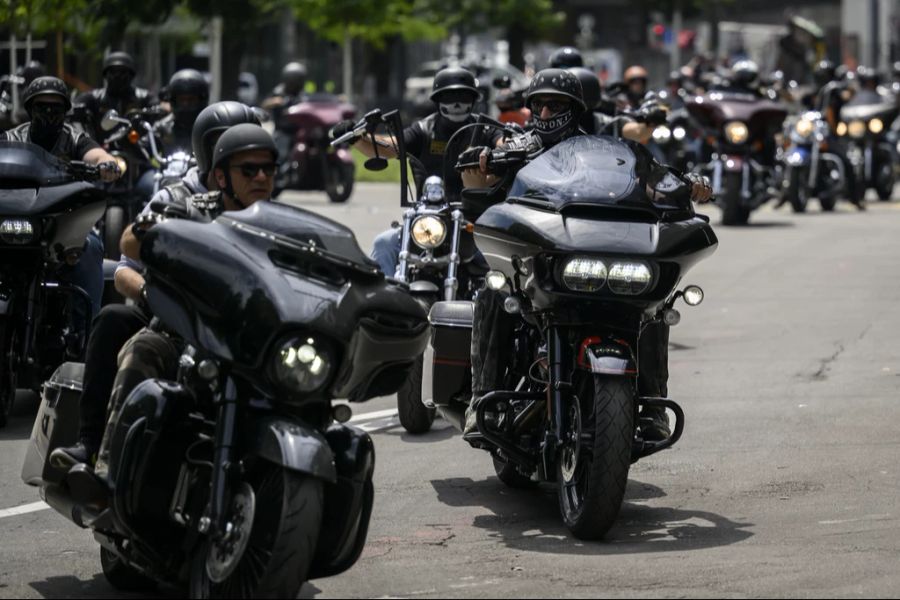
[[188, 94], [288, 92], [596, 122], [244, 162], [454, 93], [116, 323], [118, 93], [565, 57]]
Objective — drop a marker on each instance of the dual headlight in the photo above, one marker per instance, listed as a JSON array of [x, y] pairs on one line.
[[628, 278], [16, 231], [301, 364], [428, 232], [662, 134], [736, 132], [858, 129]]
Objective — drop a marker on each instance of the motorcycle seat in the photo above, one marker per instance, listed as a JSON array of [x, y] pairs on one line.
[[455, 313]]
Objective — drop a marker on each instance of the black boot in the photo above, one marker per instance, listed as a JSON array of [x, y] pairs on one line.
[[84, 452], [655, 424]]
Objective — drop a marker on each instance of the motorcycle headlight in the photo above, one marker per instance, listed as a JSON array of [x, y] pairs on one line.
[[805, 127], [736, 132], [841, 129], [629, 278], [876, 126], [583, 274], [679, 133], [300, 364], [662, 134], [428, 232], [16, 231], [856, 129]]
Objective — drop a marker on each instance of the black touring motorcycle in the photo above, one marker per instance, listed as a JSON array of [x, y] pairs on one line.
[[47, 209], [584, 261], [238, 478]]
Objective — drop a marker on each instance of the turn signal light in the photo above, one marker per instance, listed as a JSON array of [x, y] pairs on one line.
[[134, 136]]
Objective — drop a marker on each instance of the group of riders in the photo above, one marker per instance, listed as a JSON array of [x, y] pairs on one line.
[[236, 161]]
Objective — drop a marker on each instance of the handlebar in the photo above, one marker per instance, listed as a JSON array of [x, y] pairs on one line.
[[367, 125], [83, 171]]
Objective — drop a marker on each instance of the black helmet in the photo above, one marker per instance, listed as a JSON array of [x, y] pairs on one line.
[[213, 120], [565, 57], [591, 89], [453, 78], [556, 81], [188, 82], [32, 71], [293, 77], [867, 75], [242, 138], [45, 86], [745, 72], [824, 72], [118, 59]]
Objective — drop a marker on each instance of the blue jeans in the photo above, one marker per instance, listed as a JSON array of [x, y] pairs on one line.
[[87, 274], [386, 251]]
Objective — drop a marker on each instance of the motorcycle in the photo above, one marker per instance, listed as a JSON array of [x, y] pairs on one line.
[[865, 123], [583, 262], [740, 130], [48, 210], [809, 169], [673, 138], [309, 161], [239, 477]]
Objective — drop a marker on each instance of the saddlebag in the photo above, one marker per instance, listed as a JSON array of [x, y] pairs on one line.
[[56, 424], [447, 369]]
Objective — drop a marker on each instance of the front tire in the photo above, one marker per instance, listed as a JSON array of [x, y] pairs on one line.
[[339, 177], [733, 210], [113, 226], [283, 538], [415, 417], [797, 193], [592, 467], [885, 178]]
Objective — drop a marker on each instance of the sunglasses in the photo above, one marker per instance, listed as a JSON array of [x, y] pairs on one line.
[[554, 106], [249, 170]]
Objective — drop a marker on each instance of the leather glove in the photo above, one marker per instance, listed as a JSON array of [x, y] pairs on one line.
[[342, 128]]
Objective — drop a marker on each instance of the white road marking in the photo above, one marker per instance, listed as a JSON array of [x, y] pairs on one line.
[[390, 412], [23, 509]]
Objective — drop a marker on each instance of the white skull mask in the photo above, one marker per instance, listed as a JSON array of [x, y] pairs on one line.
[[456, 111]]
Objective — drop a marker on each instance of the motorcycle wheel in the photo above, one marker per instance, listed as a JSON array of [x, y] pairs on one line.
[[827, 202], [797, 193], [856, 189], [885, 180], [113, 226], [592, 466], [338, 181], [509, 474], [733, 211], [122, 576], [283, 536], [415, 417]]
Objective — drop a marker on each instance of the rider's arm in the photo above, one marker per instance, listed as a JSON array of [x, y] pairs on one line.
[[414, 139], [638, 132], [129, 282], [365, 146]]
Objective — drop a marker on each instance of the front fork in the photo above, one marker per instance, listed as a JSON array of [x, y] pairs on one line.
[[223, 461]]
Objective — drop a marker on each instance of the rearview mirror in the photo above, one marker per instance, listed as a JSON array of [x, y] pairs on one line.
[[502, 82], [376, 164], [110, 121]]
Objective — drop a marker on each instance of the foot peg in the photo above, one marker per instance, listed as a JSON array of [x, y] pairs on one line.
[[87, 488]]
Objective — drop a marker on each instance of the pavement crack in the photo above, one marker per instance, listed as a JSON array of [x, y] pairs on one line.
[[825, 364]]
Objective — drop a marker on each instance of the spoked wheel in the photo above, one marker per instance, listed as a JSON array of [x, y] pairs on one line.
[[593, 463], [275, 519], [338, 177], [414, 416]]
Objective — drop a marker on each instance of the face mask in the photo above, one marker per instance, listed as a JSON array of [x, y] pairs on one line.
[[552, 130], [118, 82], [456, 112], [46, 124]]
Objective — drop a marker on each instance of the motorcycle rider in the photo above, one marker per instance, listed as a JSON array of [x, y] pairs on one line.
[[288, 92], [116, 323], [46, 102], [635, 80], [119, 92], [188, 94], [454, 91], [594, 122], [556, 101], [744, 78], [566, 57]]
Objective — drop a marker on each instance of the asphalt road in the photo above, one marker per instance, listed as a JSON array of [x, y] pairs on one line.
[[784, 484]]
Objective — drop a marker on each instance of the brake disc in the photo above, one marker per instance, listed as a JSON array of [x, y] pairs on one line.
[[226, 550]]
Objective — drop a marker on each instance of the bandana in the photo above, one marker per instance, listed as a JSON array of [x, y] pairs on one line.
[[456, 111], [552, 130]]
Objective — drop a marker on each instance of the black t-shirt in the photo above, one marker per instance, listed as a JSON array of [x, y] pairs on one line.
[[72, 144], [427, 140]]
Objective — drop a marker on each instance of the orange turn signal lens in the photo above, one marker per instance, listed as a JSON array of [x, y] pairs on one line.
[[134, 136]]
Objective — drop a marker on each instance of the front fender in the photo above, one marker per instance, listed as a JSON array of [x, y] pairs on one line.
[[607, 355], [292, 445]]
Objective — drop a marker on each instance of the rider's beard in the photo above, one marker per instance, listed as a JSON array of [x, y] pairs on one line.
[[456, 112]]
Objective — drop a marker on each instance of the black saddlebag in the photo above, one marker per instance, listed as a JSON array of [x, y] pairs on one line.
[[447, 371], [56, 424]]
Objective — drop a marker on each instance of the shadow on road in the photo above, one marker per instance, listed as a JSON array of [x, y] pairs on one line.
[[69, 586], [760, 225], [530, 520], [438, 434]]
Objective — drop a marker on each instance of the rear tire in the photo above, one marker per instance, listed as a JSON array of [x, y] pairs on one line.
[[122, 576], [283, 537], [591, 489], [415, 417], [733, 210]]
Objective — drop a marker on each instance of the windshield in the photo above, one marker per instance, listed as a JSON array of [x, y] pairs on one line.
[[579, 171], [21, 161]]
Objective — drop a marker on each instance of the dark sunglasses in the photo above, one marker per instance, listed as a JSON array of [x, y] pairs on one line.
[[49, 108], [249, 170], [554, 106]]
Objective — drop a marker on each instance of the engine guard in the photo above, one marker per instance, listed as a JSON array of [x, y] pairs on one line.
[[641, 448]]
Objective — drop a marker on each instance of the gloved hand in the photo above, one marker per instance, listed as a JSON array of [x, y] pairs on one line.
[[342, 128], [701, 190]]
